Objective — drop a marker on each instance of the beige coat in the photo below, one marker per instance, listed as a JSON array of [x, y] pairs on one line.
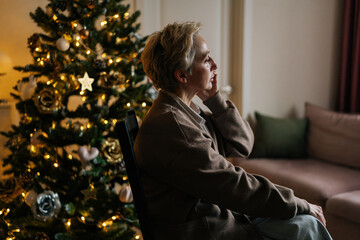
[[193, 192]]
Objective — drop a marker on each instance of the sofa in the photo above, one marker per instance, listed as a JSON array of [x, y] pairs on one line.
[[318, 157]]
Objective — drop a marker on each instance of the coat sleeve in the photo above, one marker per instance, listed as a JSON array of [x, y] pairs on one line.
[[236, 133], [198, 170]]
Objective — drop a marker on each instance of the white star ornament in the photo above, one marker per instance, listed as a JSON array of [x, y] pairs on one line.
[[86, 82]]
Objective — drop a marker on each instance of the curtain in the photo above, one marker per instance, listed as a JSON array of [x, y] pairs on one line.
[[349, 91]]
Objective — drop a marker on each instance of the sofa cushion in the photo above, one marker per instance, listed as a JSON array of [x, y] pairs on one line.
[[346, 205], [342, 228], [311, 179], [279, 137], [333, 136]]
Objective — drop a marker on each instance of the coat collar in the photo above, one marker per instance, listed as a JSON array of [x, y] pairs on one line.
[[192, 112]]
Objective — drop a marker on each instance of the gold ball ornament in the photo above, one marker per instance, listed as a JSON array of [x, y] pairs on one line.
[[111, 150], [48, 101], [62, 44], [30, 197]]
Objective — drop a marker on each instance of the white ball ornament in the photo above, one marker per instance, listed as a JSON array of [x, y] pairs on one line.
[[62, 44], [125, 194]]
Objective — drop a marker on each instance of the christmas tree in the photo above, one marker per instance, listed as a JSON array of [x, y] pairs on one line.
[[68, 177]]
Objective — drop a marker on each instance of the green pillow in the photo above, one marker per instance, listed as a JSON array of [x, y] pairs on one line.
[[279, 137]]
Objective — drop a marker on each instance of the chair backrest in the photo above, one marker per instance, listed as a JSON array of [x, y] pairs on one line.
[[127, 130]]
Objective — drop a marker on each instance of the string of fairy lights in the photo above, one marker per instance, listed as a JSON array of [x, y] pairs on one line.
[[42, 57], [67, 223]]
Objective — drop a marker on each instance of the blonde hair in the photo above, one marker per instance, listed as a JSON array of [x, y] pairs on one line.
[[169, 50]]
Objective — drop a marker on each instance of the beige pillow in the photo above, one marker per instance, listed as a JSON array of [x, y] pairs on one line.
[[333, 136]]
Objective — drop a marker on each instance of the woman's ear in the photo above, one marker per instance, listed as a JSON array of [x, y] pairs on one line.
[[180, 76]]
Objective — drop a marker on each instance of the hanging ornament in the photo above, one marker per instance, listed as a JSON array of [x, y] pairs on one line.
[[30, 197], [78, 126], [111, 101], [86, 155], [100, 22], [86, 82], [73, 82], [74, 102], [99, 65], [47, 101], [111, 150], [27, 89], [41, 236], [99, 51], [89, 193], [62, 44], [91, 4], [46, 206], [125, 194], [115, 78], [84, 33], [36, 139]]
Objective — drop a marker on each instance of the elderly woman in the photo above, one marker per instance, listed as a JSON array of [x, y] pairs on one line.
[[192, 191]]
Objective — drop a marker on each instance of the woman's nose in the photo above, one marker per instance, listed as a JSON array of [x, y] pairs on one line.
[[213, 64]]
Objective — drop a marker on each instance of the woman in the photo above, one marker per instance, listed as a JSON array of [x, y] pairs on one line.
[[192, 191]]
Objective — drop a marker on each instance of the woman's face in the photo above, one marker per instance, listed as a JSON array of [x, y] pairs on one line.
[[202, 74]]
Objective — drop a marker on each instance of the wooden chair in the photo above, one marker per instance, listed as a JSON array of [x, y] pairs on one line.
[[127, 130]]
